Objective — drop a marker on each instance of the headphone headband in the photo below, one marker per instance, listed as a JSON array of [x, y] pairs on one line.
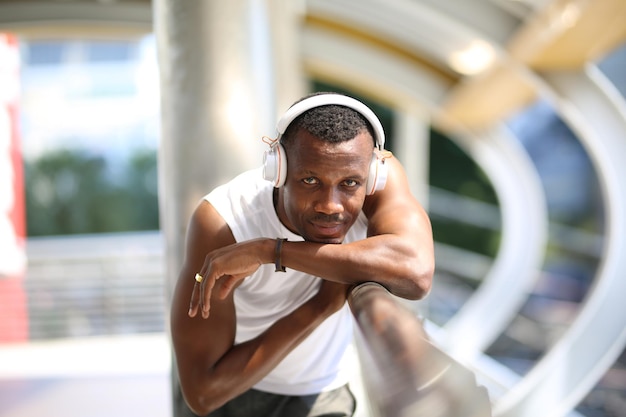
[[275, 160], [330, 99]]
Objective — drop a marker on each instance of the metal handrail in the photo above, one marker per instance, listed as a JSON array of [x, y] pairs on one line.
[[405, 375]]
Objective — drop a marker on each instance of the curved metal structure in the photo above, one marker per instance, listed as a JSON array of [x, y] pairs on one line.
[[598, 335], [408, 376], [513, 273]]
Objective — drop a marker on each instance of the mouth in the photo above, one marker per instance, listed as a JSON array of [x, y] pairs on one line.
[[328, 232]]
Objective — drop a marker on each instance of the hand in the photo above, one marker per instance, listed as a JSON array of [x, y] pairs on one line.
[[229, 264]]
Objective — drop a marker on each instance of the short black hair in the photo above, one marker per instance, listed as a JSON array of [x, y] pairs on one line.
[[331, 123]]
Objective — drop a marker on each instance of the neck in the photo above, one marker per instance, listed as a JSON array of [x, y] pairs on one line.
[[280, 209], [275, 199]]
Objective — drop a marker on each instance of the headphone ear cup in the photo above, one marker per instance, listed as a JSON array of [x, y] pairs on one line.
[[377, 175], [275, 165]]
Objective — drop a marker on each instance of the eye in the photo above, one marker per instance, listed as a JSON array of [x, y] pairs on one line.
[[310, 181], [351, 183]]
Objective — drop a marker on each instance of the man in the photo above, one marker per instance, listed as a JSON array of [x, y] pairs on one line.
[[268, 265]]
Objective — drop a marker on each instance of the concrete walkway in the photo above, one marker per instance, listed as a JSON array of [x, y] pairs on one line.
[[95, 377]]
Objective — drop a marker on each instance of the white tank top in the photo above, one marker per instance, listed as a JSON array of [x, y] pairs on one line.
[[315, 365]]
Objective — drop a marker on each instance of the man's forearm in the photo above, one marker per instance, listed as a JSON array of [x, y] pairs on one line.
[[386, 259]]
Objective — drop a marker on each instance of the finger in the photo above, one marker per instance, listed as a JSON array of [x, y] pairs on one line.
[[204, 274], [193, 302], [205, 298]]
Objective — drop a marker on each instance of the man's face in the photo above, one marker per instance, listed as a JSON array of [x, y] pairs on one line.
[[325, 186]]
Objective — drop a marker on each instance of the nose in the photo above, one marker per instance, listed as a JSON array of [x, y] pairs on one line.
[[329, 201]]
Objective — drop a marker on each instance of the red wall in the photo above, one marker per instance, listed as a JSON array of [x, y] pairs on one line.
[[13, 301]]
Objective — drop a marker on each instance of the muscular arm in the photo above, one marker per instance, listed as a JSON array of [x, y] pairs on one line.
[[211, 368]]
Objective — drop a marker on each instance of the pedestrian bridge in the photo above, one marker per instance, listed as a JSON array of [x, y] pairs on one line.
[[469, 69]]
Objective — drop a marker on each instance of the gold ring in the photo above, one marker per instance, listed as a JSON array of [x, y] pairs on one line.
[[199, 278]]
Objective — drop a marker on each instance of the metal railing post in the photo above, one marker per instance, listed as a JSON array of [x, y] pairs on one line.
[[405, 375]]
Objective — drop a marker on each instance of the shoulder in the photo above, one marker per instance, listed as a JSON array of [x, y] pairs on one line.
[[207, 229], [245, 205], [394, 205]]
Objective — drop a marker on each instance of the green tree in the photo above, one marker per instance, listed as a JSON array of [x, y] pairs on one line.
[[72, 192]]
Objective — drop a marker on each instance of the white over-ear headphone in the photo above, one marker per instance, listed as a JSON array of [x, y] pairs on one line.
[[275, 158]]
